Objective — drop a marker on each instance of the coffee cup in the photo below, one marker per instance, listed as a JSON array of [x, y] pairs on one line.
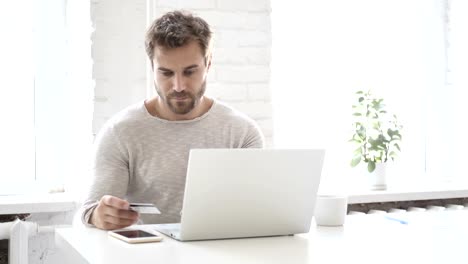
[[330, 210]]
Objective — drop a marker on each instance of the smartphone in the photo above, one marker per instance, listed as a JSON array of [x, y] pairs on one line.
[[135, 236]]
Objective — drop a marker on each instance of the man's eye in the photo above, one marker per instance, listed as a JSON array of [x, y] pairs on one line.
[[167, 74], [188, 73]]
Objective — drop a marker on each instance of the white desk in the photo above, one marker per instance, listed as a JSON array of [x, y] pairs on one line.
[[429, 237]]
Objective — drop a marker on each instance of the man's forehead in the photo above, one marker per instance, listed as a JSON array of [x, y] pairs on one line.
[[191, 47], [162, 65], [184, 56]]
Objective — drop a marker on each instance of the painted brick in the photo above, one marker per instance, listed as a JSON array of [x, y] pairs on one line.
[[249, 5], [255, 38], [256, 110], [266, 125], [258, 92], [237, 20], [119, 60], [269, 142], [187, 4], [243, 74], [212, 74], [242, 55], [160, 10], [245, 38], [229, 92]]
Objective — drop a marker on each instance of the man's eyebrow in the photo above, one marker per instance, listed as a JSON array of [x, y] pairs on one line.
[[191, 67], [186, 68], [163, 69]]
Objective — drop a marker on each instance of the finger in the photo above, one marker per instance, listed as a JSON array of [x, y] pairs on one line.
[[115, 202], [125, 214], [118, 221], [128, 214]]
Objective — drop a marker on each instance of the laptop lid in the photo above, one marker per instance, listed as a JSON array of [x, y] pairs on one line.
[[234, 193]]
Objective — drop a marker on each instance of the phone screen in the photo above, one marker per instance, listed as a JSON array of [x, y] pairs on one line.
[[135, 233]]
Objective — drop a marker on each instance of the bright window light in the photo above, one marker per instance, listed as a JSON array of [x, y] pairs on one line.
[[325, 51]]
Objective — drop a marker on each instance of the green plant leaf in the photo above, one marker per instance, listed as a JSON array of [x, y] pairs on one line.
[[358, 124], [370, 166], [376, 144], [375, 131], [397, 147], [355, 161], [358, 152], [361, 132]]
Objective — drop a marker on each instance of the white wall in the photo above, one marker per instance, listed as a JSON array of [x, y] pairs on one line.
[[119, 68]]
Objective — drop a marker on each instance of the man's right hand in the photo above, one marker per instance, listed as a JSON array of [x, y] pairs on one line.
[[113, 213]]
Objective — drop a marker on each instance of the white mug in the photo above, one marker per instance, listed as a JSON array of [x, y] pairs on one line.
[[330, 210]]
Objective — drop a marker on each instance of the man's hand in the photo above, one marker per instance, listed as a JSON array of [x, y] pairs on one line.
[[113, 213]]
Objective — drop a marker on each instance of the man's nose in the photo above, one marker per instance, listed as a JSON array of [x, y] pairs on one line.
[[178, 85]]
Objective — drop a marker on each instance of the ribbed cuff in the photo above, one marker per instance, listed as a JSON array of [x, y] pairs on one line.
[[86, 213]]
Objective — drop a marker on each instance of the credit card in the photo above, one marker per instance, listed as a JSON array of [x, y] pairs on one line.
[[144, 208]]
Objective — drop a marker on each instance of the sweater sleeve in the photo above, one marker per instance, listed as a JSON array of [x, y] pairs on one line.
[[254, 137], [110, 171]]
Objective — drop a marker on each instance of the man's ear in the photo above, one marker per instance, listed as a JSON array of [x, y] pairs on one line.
[[208, 61]]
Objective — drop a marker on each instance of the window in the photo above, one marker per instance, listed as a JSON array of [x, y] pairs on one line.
[[16, 94], [324, 51], [454, 127], [46, 95]]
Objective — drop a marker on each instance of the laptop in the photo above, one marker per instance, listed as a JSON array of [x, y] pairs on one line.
[[240, 193]]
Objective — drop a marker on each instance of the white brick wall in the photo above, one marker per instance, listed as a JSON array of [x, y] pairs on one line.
[[240, 73], [119, 68], [244, 5], [242, 55], [187, 4]]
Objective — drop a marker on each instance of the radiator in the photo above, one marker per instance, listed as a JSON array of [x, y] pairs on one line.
[[412, 209], [19, 240], [18, 233]]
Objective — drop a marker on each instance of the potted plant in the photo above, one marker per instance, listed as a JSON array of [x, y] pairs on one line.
[[376, 132]]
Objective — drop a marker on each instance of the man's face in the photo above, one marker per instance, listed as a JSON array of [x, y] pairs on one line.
[[180, 77]]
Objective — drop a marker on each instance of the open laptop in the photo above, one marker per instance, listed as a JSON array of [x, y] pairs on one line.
[[237, 193]]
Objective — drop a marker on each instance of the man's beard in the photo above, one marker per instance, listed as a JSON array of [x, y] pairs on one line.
[[185, 106]]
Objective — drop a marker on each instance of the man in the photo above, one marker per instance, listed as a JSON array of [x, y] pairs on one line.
[[141, 153]]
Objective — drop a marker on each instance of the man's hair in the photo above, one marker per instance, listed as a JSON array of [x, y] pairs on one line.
[[176, 29]]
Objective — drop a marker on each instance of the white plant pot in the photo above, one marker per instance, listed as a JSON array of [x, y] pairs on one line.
[[378, 178]]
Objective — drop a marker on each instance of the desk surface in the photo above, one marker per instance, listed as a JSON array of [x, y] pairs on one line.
[[428, 237]]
